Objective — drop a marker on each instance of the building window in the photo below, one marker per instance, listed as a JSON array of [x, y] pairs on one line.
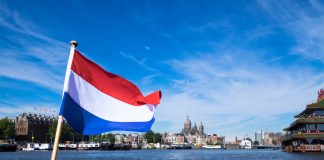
[[320, 127]]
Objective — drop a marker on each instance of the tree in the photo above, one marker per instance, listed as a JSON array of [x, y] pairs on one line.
[[274, 142], [7, 129], [96, 138], [52, 130], [149, 136], [67, 133], [109, 137], [210, 143], [157, 138], [256, 143]]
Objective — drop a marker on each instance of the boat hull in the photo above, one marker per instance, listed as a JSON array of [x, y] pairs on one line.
[[8, 147]]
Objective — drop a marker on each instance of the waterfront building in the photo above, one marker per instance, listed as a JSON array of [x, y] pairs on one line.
[[196, 135], [200, 141], [191, 139], [221, 140], [232, 146], [120, 139], [259, 137], [306, 133], [33, 127], [201, 129], [192, 130], [237, 141], [246, 144], [192, 135], [180, 139], [213, 138], [187, 126], [169, 138], [166, 138], [272, 139], [135, 140]]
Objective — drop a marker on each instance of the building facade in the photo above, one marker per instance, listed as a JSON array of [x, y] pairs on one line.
[[272, 139], [246, 144], [135, 140], [192, 130], [187, 126], [306, 133], [33, 127], [259, 137]]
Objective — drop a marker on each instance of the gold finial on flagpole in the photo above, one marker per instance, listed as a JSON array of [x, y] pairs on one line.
[[74, 43]]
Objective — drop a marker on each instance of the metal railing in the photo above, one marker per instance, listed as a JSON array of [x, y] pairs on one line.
[[307, 148]]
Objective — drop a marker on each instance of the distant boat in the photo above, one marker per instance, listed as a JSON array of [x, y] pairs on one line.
[[122, 147], [211, 147], [62, 146], [37, 146], [71, 146], [107, 146], [183, 146], [180, 146], [6, 147], [89, 146]]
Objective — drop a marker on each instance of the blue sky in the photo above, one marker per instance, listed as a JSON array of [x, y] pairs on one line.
[[238, 67]]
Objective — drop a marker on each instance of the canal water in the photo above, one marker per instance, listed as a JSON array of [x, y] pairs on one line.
[[193, 154]]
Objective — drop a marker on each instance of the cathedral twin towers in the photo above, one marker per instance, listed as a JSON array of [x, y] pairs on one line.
[[187, 130]]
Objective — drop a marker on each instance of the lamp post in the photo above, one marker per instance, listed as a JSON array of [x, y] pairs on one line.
[[32, 136]]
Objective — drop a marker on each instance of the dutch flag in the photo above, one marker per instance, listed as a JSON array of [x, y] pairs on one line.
[[96, 101]]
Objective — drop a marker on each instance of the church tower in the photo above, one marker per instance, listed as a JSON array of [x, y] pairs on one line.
[[187, 126], [201, 129]]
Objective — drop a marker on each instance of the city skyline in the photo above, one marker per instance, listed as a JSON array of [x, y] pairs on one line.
[[239, 67]]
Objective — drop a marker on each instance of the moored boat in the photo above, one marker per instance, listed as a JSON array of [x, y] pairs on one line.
[[211, 147], [72, 146], [183, 146], [89, 146], [36, 146], [180, 146], [6, 147]]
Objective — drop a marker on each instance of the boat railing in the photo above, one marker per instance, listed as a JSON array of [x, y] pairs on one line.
[[307, 147]]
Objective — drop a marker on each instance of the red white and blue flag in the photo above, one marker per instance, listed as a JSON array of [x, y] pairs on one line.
[[96, 101]]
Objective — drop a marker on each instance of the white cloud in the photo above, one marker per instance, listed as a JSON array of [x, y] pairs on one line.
[[31, 72], [29, 55], [9, 111], [139, 62], [303, 21], [229, 92], [148, 79]]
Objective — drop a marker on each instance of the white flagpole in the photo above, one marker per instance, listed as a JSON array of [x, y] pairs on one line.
[[73, 44]]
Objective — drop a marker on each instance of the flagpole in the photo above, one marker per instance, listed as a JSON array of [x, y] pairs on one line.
[[73, 45]]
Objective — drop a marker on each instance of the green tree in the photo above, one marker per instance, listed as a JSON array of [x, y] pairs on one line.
[[67, 133], [149, 136], [157, 138], [7, 129], [96, 138], [209, 143], [109, 137], [52, 130], [79, 137]]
